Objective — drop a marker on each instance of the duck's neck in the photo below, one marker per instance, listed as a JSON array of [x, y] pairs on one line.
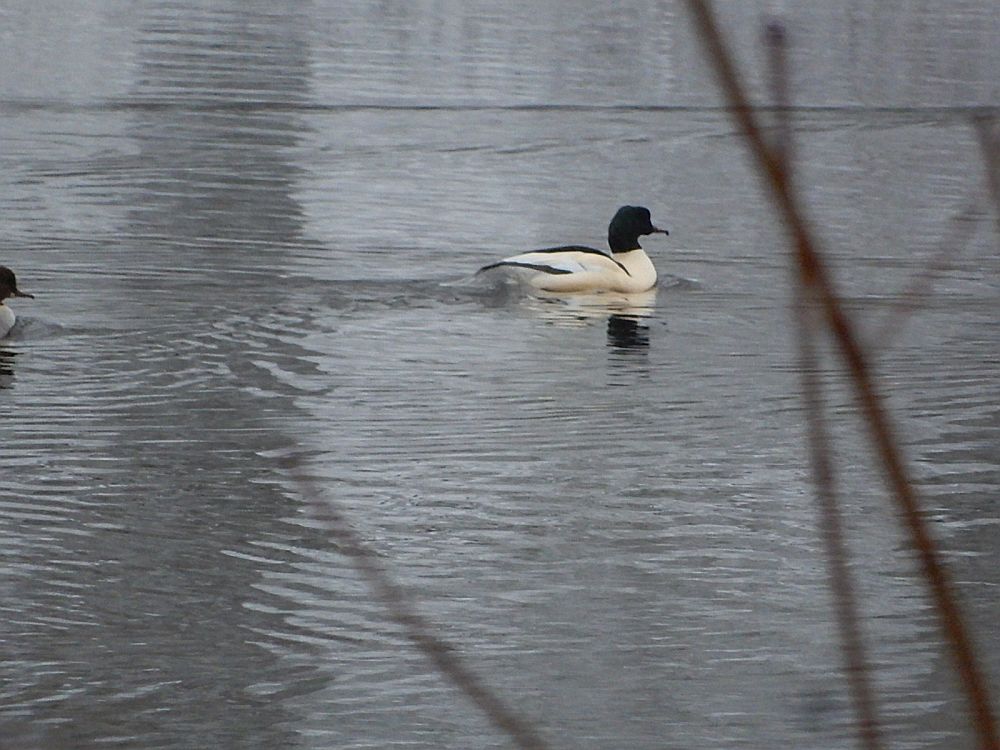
[[640, 268], [620, 240], [6, 319]]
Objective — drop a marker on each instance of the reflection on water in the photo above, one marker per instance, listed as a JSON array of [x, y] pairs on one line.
[[6, 366], [254, 226], [625, 315], [627, 333]]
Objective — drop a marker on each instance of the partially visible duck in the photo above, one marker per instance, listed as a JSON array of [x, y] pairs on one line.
[[8, 288], [584, 269]]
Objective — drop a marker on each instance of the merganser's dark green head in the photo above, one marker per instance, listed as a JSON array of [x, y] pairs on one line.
[[630, 223], [8, 285]]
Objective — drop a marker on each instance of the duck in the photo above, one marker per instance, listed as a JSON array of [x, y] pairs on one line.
[[574, 268], [8, 288]]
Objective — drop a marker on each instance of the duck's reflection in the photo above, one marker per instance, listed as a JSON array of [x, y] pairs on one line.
[[577, 308], [627, 333], [6, 366], [625, 315]]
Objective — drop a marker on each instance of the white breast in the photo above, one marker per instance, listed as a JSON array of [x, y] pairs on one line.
[[7, 319]]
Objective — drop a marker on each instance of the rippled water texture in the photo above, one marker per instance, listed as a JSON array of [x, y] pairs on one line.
[[250, 231]]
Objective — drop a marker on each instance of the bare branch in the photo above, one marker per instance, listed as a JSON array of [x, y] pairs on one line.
[[815, 276], [961, 228], [420, 632], [990, 145], [856, 667]]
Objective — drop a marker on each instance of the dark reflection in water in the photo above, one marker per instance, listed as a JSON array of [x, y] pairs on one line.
[[6, 366], [217, 174], [211, 198], [626, 333], [217, 201]]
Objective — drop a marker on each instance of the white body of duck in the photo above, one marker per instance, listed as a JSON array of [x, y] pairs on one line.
[[7, 319], [584, 269], [8, 288]]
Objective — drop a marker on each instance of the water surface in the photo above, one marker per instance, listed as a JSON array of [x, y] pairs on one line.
[[248, 230]]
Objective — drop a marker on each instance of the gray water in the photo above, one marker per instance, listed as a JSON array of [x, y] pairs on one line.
[[249, 230]]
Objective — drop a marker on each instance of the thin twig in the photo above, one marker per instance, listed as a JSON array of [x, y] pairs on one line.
[[856, 667], [961, 227], [989, 143], [775, 43], [815, 275], [415, 627]]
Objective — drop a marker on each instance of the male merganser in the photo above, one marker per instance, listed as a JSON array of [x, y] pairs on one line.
[[584, 269], [8, 288]]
